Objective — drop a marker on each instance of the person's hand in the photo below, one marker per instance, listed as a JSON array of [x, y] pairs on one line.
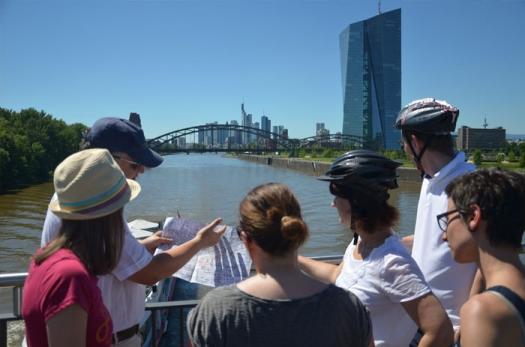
[[155, 240], [408, 242], [210, 234]]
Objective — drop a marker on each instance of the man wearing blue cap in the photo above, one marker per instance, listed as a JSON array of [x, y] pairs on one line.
[[123, 290]]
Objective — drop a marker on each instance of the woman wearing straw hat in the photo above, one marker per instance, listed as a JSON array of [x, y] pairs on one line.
[[62, 305]]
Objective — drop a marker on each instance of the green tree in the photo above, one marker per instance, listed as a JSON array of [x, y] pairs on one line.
[[511, 156], [522, 159], [476, 157], [500, 157], [32, 144]]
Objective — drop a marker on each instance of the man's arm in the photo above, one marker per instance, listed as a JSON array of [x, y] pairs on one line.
[[319, 270], [152, 242], [166, 263]]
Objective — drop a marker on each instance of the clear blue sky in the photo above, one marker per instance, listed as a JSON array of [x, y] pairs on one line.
[[182, 63]]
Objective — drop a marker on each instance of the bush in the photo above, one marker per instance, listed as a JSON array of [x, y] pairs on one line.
[[512, 156], [500, 157], [522, 160], [476, 157], [327, 153]]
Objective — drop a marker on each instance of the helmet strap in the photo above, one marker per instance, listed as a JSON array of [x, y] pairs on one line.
[[417, 157], [352, 227]]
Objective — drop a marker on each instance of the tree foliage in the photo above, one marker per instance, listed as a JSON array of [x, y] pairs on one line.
[[32, 144], [476, 157]]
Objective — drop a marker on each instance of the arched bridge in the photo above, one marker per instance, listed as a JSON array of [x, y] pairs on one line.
[[237, 138], [331, 140]]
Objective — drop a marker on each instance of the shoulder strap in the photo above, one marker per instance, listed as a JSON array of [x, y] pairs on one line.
[[515, 302]]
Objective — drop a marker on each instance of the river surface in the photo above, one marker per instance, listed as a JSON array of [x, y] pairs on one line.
[[199, 186]]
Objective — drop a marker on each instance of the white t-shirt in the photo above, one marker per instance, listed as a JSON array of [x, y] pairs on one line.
[[124, 299], [382, 281], [449, 280]]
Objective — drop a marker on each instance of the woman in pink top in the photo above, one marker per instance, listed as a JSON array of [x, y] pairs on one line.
[[62, 305]]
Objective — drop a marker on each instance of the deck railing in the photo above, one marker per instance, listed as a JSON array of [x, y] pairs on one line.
[[15, 281]]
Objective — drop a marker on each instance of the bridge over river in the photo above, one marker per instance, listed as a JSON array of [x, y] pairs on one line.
[[239, 138]]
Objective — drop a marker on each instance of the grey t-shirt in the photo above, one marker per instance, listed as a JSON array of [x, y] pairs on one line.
[[229, 317]]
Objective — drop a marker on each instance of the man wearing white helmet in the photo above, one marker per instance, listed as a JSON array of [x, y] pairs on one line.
[[426, 125]]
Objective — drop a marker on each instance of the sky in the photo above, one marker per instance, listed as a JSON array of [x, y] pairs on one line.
[[180, 63]]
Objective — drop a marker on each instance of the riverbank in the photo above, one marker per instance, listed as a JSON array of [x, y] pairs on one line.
[[316, 168]]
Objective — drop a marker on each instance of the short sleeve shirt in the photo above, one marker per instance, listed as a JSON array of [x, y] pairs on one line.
[[227, 316], [124, 299], [382, 281], [54, 285]]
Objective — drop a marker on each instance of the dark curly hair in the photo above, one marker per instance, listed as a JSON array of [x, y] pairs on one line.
[[500, 195]]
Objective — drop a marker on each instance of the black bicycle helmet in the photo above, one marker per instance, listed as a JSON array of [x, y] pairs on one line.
[[363, 166], [428, 116]]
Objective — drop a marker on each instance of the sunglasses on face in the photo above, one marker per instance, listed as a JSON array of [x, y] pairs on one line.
[[132, 164]]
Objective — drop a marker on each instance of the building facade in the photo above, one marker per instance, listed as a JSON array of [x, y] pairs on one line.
[[371, 77], [469, 139]]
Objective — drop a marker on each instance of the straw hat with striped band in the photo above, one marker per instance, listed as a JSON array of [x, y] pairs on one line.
[[89, 184]]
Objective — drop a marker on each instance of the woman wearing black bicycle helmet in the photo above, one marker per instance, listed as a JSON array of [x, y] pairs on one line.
[[426, 125], [376, 266]]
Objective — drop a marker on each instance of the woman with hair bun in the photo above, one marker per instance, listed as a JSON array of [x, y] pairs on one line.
[[280, 305]]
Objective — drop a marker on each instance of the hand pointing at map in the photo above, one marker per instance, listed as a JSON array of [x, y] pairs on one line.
[[210, 234]]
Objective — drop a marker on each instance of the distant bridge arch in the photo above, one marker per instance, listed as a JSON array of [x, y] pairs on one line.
[[265, 140], [331, 140], [270, 140]]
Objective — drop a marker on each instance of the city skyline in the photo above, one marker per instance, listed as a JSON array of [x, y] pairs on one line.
[[184, 63]]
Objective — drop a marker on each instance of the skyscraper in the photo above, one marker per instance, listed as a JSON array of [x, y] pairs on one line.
[[371, 77], [266, 123]]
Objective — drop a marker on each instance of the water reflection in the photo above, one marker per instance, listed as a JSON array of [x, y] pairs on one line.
[[200, 186]]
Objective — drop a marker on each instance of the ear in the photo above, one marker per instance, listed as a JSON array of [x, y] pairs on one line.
[[416, 143], [246, 240], [474, 219]]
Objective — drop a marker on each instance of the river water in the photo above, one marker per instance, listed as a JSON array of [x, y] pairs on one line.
[[199, 186]]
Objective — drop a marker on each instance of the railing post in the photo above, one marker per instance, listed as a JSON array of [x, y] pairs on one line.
[[3, 333], [181, 326], [154, 328], [17, 301]]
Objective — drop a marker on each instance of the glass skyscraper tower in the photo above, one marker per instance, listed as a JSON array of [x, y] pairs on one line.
[[371, 76]]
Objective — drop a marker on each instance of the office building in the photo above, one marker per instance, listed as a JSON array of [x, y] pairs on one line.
[[266, 124], [371, 78], [469, 139]]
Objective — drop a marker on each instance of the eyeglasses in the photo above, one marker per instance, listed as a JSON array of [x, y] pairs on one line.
[[443, 221], [132, 164]]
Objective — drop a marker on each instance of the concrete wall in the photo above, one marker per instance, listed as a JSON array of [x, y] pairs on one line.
[[315, 168]]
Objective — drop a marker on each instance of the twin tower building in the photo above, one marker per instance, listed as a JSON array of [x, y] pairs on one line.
[[371, 77]]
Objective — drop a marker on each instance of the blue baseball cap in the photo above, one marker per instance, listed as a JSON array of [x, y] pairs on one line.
[[121, 135]]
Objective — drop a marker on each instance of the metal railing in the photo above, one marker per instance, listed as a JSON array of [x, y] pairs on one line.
[[15, 281]]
